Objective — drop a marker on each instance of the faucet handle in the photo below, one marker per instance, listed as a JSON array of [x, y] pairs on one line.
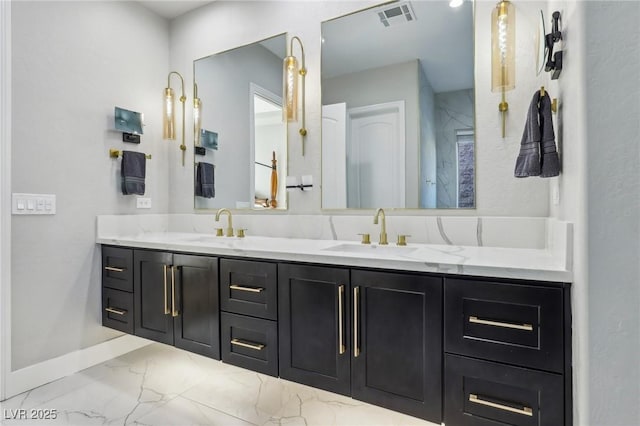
[[219, 232], [241, 232], [366, 238], [402, 240]]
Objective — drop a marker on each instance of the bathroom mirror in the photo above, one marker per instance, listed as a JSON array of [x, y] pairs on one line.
[[241, 129], [398, 109]]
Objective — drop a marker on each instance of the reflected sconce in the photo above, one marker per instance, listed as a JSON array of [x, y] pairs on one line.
[[290, 88], [169, 119], [197, 116], [503, 58]]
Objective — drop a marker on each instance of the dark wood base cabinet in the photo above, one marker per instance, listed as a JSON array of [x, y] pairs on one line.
[[461, 351], [373, 335], [176, 300]]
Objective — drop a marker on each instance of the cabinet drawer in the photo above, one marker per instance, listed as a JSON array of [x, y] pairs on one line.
[[250, 343], [117, 310], [482, 393], [117, 268], [517, 324], [249, 288]]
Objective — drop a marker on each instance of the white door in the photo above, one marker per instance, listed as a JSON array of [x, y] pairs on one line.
[[376, 156], [334, 156]]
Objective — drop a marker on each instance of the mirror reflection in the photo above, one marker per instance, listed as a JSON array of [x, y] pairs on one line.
[[398, 107], [240, 139]]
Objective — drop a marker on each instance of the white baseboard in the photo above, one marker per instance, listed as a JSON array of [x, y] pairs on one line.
[[53, 369]]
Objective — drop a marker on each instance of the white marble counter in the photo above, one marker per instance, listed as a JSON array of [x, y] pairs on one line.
[[502, 262]]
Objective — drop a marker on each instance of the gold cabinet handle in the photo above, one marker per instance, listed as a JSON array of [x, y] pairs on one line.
[[525, 411], [356, 348], [476, 320], [167, 311], [174, 311], [256, 346], [249, 289], [342, 348], [115, 311], [113, 269]]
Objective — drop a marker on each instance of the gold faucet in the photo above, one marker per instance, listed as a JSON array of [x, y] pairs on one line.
[[230, 223], [383, 230]]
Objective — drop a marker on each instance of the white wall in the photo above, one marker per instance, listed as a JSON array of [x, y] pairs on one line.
[[428, 158], [599, 189], [72, 63], [224, 25]]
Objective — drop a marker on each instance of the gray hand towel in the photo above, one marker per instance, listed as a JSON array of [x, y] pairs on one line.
[[205, 180], [549, 162], [133, 172], [528, 162]]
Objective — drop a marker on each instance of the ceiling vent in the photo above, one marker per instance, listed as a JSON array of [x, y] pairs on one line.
[[400, 13]]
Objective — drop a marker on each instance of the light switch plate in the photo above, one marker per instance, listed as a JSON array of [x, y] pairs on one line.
[[33, 204]]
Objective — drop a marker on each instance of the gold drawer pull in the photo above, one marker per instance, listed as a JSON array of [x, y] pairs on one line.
[[256, 346], [115, 311], [249, 289], [113, 269], [525, 411], [476, 320]]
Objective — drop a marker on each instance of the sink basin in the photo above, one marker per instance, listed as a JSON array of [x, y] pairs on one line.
[[372, 249]]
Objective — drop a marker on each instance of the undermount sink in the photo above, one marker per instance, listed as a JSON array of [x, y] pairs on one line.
[[372, 249]]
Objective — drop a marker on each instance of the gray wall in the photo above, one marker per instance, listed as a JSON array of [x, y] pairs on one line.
[[72, 63], [427, 142]]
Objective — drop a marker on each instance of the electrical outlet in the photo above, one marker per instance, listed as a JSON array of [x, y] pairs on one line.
[[143, 203], [556, 196]]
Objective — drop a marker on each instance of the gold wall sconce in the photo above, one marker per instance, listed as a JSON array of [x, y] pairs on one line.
[[169, 119], [290, 88], [197, 116], [503, 58]]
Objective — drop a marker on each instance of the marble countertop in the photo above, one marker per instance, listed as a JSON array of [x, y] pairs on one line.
[[499, 262]]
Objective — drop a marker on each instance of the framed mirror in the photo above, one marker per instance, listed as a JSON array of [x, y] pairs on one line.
[[398, 108], [240, 155]]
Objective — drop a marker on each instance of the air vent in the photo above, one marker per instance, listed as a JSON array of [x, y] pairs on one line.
[[400, 13]]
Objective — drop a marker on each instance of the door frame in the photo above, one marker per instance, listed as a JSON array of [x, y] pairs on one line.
[[399, 161]]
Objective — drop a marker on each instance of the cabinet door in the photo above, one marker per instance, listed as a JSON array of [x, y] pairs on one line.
[[397, 342], [314, 326], [195, 306], [152, 296]]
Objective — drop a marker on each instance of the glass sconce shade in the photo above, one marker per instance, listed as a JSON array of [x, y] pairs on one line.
[[168, 118], [290, 89], [503, 37], [197, 120]]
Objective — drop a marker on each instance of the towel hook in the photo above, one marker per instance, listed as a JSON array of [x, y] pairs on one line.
[[554, 101]]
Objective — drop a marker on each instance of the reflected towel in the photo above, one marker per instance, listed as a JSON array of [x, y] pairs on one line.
[[528, 162], [133, 172], [205, 180]]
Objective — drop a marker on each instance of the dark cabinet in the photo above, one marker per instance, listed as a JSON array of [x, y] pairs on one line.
[[176, 300], [397, 342], [507, 353], [117, 289], [373, 335], [314, 326]]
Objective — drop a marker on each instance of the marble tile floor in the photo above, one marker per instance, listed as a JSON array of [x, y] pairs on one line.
[[161, 385]]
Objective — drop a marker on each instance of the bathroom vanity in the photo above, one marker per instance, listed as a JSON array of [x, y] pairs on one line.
[[378, 323]]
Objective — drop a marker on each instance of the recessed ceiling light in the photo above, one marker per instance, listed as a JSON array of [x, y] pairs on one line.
[[455, 3]]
